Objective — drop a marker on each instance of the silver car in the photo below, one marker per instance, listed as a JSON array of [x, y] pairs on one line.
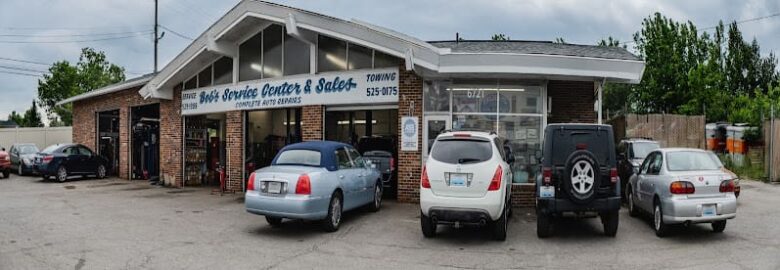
[[315, 180], [682, 185]]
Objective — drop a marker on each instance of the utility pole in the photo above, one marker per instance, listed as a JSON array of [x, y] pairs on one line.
[[156, 38]]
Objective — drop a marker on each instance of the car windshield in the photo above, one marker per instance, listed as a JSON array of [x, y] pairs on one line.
[[27, 149], [299, 157], [690, 161], [641, 149], [459, 151], [50, 149]]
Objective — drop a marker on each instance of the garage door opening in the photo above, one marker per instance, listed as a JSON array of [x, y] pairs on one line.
[[108, 139], [374, 133], [145, 150], [205, 154]]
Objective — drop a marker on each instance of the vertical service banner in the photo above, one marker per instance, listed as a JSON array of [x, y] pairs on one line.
[[410, 133], [373, 86]]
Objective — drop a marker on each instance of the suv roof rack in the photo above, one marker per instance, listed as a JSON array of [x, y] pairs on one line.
[[466, 129]]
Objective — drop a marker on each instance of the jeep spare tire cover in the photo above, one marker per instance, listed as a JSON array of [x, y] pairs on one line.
[[582, 176]]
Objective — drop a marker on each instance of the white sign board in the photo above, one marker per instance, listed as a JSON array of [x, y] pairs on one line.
[[409, 133], [355, 87]]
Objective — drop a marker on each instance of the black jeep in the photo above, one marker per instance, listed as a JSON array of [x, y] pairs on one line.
[[579, 176]]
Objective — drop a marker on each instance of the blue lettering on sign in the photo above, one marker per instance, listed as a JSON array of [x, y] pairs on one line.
[[239, 94], [284, 89], [337, 85], [209, 97]]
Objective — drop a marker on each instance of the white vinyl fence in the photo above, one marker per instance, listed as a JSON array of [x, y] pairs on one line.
[[42, 137]]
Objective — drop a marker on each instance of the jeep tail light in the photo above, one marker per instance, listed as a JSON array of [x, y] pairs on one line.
[[495, 183], [47, 159], [582, 146], [613, 175], [392, 164], [682, 187], [727, 186], [424, 182], [250, 185], [547, 175], [303, 187]]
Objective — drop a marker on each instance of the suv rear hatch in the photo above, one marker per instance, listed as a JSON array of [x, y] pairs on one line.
[[593, 138], [459, 166]]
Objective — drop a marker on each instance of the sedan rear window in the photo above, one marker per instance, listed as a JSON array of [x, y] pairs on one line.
[[50, 149], [299, 157], [690, 161], [460, 151]]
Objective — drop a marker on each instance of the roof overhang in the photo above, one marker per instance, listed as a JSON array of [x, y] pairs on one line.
[[249, 17], [125, 85]]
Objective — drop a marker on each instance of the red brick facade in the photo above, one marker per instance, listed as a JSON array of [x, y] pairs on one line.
[[572, 102], [171, 144], [235, 151], [409, 163], [312, 122]]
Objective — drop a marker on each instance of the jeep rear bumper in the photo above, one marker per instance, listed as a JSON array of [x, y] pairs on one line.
[[552, 205]]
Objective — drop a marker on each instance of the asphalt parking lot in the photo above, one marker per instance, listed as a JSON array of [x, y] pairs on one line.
[[118, 224]]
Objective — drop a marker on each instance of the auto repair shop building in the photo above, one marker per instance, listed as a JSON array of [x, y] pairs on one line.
[[266, 75]]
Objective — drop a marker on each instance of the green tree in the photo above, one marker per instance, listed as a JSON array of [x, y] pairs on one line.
[[617, 96], [499, 37], [32, 118], [559, 40], [17, 118], [66, 80]]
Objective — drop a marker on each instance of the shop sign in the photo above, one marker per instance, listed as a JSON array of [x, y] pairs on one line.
[[355, 87], [409, 133]]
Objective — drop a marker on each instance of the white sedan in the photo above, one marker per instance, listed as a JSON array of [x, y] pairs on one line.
[[682, 186]]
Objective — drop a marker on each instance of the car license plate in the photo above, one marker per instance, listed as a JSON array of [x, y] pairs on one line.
[[458, 179], [275, 187], [547, 192], [708, 211]]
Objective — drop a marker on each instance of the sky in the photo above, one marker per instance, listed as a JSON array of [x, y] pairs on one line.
[[36, 33]]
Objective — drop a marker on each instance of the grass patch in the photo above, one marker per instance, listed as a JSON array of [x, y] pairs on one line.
[[749, 170]]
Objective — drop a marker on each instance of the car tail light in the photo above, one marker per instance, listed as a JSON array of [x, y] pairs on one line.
[[727, 186], [47, 159], [613, 175], [250, 185], [424, 182], [547, 175], [682, 187], [303, 187], [392, 164], [461, 135], [495, 183], [582, 146]]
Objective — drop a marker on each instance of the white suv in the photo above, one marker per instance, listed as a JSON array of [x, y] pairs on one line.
[[467, 180]]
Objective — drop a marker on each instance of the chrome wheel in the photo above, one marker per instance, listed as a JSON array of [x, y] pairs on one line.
[[630, 202], [582, 177], [657, 219], [101, 172], [20, 170], [62, 174], [377, 196], [335, 208]]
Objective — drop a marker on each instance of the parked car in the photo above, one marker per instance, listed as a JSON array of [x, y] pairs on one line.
[[65, 160], [22, 156], [579, 175], [315, 180], [682, 185], [382, 152], [467, 180], [5, 163], [631, 152]]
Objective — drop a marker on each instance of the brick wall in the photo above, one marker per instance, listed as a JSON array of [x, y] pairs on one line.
[[85, 117], [523, 195], [171, 140], [409, 163], [311, 122], [235, 146], [572, 102]]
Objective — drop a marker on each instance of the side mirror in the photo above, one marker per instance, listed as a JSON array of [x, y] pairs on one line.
[[636, 170], [510, 159]]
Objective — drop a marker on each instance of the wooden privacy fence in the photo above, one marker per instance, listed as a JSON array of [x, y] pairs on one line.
[[670, 130], [772, 149]]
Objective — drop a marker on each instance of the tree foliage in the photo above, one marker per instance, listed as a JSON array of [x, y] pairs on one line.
[[499, 37], [30, 118], [66, 80]]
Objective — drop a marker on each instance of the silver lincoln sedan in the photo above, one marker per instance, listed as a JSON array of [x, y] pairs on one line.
[[682, 185]]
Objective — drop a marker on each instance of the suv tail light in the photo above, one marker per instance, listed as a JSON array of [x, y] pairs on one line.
[[303, 187], [727, 186], [682, 187], [47, 159], [495, 183], [547, 175], [424, 182], [392, 164], [250, 185], [613, 175]]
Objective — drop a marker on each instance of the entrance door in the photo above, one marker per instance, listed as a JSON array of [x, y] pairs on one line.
[[433, 125]]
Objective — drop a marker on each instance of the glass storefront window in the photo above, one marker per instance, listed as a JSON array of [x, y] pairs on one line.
[[383, 60], [519, 99], [204, 77], [267, 132], [297, 55], [473, 122], [437, 98], [191, 83], [331, 54], [523, 134], [359, 57], [223, 71], [474, 100], [272, 51], [249, 59]]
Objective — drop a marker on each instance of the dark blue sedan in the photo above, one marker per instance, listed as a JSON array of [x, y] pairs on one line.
[[65, 160]]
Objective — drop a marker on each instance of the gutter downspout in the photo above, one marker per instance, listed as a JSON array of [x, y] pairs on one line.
[[600, 100]]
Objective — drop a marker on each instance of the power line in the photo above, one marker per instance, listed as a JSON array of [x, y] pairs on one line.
[[20, 73], [70, 28], [738, 22], [176, 33], [71, 41], [76, 35], [22, 69], [24, 61]]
